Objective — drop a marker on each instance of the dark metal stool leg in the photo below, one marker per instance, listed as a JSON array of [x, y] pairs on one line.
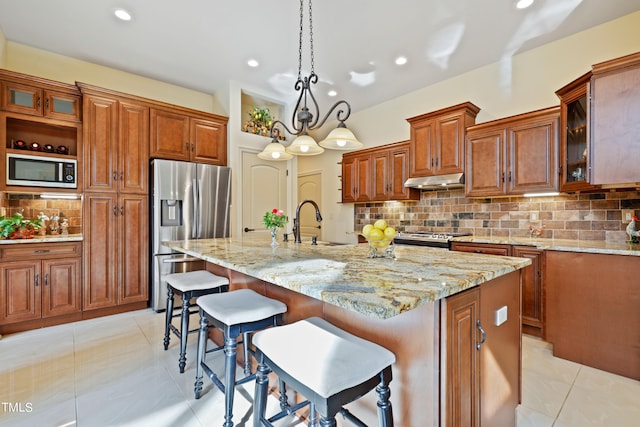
[[284, 401], [327, 422], [169, 314], [202, 348], [260, 395], [230, 345], [245, 352], [184, 333], [313, 415], [385, 415]]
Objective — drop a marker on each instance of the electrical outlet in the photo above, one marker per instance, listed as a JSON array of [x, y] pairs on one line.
[[534, 216], [627, 214]]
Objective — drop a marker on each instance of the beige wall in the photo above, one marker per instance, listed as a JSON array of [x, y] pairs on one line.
[[525, 82], [28, 60], [3, 50]]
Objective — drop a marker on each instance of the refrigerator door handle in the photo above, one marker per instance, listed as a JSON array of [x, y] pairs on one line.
[[196, 209]]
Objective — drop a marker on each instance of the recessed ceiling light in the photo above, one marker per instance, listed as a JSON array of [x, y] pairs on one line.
[[401, 60], [122, 14], [523, 4], [332, 93], [253, 63]]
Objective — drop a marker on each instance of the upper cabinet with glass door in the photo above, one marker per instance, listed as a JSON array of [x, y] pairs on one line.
[[574, 135], [34, 96]]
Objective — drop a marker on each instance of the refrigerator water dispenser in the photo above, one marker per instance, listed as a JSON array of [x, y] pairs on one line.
[[170, 213]]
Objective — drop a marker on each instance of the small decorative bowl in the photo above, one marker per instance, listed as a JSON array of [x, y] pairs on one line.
[[380, 248]]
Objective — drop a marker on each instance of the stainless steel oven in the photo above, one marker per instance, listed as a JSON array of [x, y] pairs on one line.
[[434, 239]]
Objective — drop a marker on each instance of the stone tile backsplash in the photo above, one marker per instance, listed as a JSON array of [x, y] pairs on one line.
[[30, 206], [593, 216]]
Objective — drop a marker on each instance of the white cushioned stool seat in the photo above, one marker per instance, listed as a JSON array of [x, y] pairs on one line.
[[240, 306], [195, 280], [321, 356], [236, 313], [188, 285]]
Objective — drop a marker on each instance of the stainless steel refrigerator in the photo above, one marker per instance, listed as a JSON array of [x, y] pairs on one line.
[[188, 201]]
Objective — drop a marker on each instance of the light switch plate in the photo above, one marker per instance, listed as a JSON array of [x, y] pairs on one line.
[[627, 214], [501, 316]]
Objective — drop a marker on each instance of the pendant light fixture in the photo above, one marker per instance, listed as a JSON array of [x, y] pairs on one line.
[[304, 120]]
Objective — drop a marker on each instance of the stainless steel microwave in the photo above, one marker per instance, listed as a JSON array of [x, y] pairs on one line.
[[41, 171]]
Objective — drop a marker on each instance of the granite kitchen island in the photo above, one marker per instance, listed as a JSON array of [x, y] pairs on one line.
[[424, 305]]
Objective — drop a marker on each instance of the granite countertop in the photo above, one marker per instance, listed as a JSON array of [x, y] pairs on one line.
[[45, 239], [590, 246], [343, 275]]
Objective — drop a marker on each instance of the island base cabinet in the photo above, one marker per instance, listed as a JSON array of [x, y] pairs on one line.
[[593, 310], [481, 358]]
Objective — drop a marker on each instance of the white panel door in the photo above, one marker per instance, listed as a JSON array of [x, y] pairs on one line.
[[263, 188], [310, 188]]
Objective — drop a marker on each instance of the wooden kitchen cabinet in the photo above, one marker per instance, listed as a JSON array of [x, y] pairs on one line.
[[39, 283], [574, 135], [39, 97], [116, 250], [592, 310], [437, 140], [514, 155], [116, 143], [533, 290], [478, 352], [179, 135], [390, 170], [533, 293], [377, 174], [356, 177], [615, 108]]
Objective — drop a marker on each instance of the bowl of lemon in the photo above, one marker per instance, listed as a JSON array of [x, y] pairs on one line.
[[379, 236]]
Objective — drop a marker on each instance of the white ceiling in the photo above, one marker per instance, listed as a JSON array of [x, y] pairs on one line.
[[203, 45]]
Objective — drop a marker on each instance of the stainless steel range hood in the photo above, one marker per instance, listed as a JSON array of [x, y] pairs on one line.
[[436, 182]]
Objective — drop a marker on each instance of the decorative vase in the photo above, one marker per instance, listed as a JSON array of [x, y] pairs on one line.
[[274, 233]]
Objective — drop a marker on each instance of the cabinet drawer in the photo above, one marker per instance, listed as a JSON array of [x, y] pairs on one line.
[[482, 248], [39, 250]]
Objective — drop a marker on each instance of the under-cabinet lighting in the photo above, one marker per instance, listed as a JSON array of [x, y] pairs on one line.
[[122, 14], [549, 194], [523, 4], [59, 196]]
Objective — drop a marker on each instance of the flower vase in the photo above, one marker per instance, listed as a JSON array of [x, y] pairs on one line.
[[274, 233]]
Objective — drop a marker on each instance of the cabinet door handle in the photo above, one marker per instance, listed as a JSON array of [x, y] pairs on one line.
[[115, 211], [46, 104], [122, 210], [186, 144], [121, 176], [38, 102], [483, 333], [502, 176], [192, 147], [37, 280], [115, 175], [41, 251], [509, 176], [46, 279]]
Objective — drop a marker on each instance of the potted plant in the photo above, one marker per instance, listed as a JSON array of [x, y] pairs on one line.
[[16, 227]]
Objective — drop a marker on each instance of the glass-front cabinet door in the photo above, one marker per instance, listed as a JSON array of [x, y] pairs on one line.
[[574, 135], [33, 100]]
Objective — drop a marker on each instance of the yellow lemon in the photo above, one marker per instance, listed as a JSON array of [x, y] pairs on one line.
[[366, 230], [380, 224], [389, 233], [375, 235]]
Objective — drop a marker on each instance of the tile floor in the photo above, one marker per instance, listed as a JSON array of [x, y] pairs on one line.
[[113, 371]]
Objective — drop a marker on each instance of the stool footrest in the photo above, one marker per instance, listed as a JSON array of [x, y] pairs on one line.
[[288, 411], [349, 416]]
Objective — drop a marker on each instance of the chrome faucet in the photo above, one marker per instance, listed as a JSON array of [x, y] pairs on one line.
[[296, 220]]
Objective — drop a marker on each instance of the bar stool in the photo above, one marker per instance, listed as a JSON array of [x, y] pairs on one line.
[[188, 285], [242, 311], [328, 366]]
